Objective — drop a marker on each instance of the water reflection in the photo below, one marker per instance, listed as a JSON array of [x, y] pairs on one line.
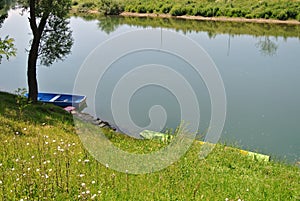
[[263, 32], [212, 28], [266, 46]]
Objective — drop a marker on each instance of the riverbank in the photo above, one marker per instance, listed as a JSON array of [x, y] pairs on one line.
[[42, 157], [217, 19], [213, 28], [279, 12]]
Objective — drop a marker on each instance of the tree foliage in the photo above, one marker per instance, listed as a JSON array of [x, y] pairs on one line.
[[7, 48]]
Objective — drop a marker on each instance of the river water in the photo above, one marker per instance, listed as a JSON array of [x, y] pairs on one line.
[[260, 71]]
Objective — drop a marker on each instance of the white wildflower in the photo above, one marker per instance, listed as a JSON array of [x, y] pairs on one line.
[[37, 169], [17, 179], [81, 175], [79, 160], [50, 170], [46, 142], [17, 133], [87, 192], [93, 196], [46, 176], [1, 182], [86, 160], [28, 168], [83, 184], [27, 143], [106, 165], [24, 129], [93, 182], [32, 157], [53, 140], [12, 169]]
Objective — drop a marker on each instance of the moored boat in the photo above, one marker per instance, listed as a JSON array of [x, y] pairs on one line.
[[62, 100]]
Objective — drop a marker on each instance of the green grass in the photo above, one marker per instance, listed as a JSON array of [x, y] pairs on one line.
[[42, 158], [266, 9]]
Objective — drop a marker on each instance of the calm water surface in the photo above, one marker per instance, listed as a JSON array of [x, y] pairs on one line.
[[262, 87]]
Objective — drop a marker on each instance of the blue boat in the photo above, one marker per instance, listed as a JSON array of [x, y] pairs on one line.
[[62, 100]]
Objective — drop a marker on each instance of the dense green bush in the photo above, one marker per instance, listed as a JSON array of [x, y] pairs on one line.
[[166, 8], [282, 15], [141, 9], [111, 7], [177, 10], [150, 8], [133, 9], [198, 11], [292, 13]]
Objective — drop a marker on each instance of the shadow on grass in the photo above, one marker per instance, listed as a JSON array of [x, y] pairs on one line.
[[38, 113]]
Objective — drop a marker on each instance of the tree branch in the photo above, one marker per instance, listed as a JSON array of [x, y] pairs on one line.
[[32, 18]]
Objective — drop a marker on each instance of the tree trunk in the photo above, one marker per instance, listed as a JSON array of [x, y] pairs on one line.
[[31, 70], [37, 31]]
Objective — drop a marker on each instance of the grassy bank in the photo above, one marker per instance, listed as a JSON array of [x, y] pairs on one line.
[[254, 9], [42, 158]]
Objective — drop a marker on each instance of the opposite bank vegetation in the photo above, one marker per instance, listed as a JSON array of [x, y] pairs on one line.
[[42, 158], [254, 9]]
